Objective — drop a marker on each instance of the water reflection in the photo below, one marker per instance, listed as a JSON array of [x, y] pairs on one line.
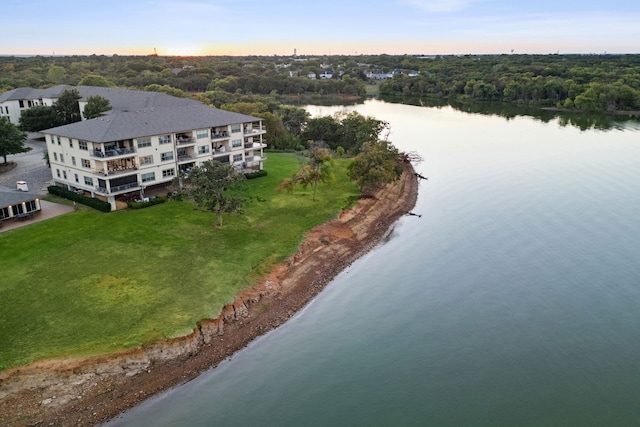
[[582, 121]]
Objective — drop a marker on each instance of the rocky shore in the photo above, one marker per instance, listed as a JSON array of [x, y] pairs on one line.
[[92, 390]]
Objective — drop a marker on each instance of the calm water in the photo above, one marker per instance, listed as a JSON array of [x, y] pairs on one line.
[[513, 300]]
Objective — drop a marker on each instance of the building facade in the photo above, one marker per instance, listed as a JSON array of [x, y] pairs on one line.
[[147, 142], [14, 102]]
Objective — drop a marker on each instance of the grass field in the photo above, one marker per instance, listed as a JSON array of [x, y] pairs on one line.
[[88, 282]]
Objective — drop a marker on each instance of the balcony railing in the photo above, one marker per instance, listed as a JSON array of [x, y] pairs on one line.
[[255, 130], [217, 152], [253, 160], [219, 135], [185, 141], [117, 188], [113, 171], [113, 153], [254, 145]]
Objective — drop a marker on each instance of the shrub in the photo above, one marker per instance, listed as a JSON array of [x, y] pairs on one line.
[[92, 202], [151, 202], [257, 174]]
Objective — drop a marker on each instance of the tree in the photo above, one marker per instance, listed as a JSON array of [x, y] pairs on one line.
[[95, 80], [67, 107], [377, 164], [211, 187], [293, 118], [96, 105], [56, 73], [37, 118], [319, 169], [322, 129], [11, 139]]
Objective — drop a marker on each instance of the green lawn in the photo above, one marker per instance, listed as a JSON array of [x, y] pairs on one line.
[[89, 282]]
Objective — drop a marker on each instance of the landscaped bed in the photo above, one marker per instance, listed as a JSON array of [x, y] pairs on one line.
[[89, 282]]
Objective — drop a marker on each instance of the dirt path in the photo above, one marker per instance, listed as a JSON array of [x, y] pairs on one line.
[[87, 391]]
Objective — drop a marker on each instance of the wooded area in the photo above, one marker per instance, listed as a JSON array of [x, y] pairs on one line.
[[595, 83]]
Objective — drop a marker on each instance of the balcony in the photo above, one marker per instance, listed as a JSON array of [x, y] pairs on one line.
[[220, 152], [253, 160], [113, 153], [219, 135], [115, 171], [117, 188], [184, 141], [256, 130], [185, 158], [254, 145]]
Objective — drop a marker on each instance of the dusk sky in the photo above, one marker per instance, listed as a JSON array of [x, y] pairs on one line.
[[277, 27]]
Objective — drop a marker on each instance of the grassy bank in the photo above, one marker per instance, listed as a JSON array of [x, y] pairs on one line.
[[87, 282]]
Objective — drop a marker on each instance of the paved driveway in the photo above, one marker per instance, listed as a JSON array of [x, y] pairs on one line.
[[31, 167]]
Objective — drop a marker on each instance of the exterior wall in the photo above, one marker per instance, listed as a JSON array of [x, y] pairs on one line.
[[13, 108]]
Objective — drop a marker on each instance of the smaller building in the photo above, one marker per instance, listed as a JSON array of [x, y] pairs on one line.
[[19, 204]]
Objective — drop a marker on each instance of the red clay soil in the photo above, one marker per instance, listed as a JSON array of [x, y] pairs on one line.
[[91, 390]]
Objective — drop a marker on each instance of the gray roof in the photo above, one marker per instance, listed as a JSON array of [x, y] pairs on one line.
[[30, 93], [119, 125], [132, 100], [10, 196]]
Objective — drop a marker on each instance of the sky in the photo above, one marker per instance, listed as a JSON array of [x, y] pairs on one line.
[[328, 27]]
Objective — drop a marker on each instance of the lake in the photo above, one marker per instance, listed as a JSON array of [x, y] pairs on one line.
[[513, 300]]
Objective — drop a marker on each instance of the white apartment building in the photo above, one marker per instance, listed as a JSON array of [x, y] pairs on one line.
[[14, 102], [146, 140]]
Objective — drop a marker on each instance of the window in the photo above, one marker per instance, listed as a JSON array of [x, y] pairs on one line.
[[146, 160], [70, 143], [88, 181], [75, 176], [61, 158], [21, 102], [146, 177], [237, 157], [82, 145], [203, 149], [202, 133], [166, 156], [58, 172], [235, 128], [64, 174], [165, 139], [73, 160], [53, 141], [168, 172], [144, 142], [86, 163], [55, 156], [30, 205], [236, 143], [59, 142]]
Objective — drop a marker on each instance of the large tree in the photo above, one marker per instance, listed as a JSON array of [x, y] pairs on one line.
[[377, 164], [67, 107], [11, 139], [96, 105], [38, 117], [213, 187]]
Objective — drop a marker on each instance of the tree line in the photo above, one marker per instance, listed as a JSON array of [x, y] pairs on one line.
[[594, 83], [597, 83]]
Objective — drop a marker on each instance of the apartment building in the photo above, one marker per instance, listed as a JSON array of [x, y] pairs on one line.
[[146, 140]]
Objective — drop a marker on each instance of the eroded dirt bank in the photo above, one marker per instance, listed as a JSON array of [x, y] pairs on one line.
[[87, 391]]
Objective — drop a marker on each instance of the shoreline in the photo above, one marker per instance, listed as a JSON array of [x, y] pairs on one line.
[[92, 390]]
